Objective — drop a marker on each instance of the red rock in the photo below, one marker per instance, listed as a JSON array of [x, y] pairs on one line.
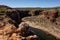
[[44, 13], [58, 20], [32, 37], [52, 15]]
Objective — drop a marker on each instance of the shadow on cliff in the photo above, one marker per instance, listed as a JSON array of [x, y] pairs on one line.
[[43, 35]]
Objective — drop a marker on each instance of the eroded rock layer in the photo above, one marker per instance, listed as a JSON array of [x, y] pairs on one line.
[[9, 32]]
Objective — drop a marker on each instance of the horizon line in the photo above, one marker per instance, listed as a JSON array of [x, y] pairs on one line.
[[31, 6]]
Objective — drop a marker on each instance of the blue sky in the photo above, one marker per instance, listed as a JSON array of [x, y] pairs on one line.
[[30, 3]]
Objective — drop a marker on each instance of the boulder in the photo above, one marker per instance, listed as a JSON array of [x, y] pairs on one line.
[[25, 31], [32, 37]]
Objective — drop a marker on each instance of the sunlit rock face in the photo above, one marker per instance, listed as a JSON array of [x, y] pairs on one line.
[[6, 29], [58, 21], [44, 13], [25, 31], [9, 32]]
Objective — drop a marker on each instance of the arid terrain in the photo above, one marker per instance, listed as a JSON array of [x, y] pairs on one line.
[[29, 23]]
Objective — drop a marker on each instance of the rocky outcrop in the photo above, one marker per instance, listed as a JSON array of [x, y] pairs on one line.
[[44, 13], [9, 32], [14, 15], [26, 32], [51, 15], [58, 21], [17, 15]]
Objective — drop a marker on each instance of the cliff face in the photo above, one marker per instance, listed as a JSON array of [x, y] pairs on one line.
[[52, 14], [17, 15]]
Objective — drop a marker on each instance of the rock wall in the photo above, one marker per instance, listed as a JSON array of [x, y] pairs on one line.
[[9, 32], [17, 15]]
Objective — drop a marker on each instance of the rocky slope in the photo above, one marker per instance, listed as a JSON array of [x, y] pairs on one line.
[[9, 32]]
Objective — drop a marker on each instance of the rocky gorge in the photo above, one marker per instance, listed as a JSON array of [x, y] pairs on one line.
[[28, 24]]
